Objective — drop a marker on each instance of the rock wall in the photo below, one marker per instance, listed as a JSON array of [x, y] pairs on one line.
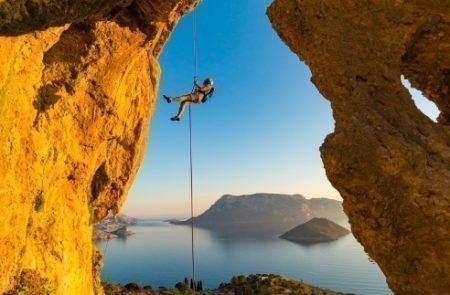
[[390, 162], [78, 84]]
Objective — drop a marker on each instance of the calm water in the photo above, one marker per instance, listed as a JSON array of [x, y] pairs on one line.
[[159, 254]]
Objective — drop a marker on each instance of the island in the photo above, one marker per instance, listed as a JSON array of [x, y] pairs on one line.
[[264, 213], [314, 231], [114, 227]]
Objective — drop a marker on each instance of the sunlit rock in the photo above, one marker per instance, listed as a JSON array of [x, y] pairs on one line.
[[78, 84]]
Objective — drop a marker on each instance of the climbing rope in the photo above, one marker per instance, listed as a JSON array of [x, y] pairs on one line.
[[195, 43], [190, 152]]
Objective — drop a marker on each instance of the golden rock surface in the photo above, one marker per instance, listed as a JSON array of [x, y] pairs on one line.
[[75, 105], [390, 162]]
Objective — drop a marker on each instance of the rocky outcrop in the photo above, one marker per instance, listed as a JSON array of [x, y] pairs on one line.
[[389, 161], [103, 235], [122, 232], [111, 221], [78, 83]]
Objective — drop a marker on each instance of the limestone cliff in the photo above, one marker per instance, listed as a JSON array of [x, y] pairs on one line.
[[78, 83], [389, 161]]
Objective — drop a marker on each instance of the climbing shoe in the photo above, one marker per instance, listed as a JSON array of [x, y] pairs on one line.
[[167, 98], [175, 118]]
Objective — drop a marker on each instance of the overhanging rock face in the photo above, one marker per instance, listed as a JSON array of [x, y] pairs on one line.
[[78, 84], [389, 161]]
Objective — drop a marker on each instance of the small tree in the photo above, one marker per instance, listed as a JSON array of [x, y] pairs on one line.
[[182, 287], [199, 286]]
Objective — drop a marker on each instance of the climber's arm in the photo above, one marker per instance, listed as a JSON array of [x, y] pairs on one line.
[[204, 89]]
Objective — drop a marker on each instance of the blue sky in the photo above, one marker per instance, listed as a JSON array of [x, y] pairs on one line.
[[260, 133]]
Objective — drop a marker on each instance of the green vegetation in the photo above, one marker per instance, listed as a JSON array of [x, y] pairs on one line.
[[186, 287], [259, 284], [181, 288], [267, 284]]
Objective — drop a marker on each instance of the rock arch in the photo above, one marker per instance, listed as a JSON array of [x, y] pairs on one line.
[[390, 163]]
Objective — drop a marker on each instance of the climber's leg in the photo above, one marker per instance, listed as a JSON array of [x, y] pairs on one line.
[[181, 109], [182, 97]]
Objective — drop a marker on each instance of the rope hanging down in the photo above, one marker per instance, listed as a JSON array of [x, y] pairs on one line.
[[190, 154], [195, 42]]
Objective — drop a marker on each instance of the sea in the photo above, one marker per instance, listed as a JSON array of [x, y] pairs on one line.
[[159, 254]]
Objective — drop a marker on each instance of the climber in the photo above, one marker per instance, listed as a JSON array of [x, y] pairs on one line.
[[200, 95]]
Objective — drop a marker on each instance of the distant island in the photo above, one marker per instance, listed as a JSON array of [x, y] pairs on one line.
[[114, 227], [265, 213], [314, 231]]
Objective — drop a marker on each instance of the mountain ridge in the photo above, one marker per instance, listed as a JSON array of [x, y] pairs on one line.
[[265, 212]]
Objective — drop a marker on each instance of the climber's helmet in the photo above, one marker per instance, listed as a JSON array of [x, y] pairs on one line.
[[208, 81]]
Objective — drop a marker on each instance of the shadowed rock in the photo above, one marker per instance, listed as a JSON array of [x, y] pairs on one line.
[[23, 16], [390, 163]]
